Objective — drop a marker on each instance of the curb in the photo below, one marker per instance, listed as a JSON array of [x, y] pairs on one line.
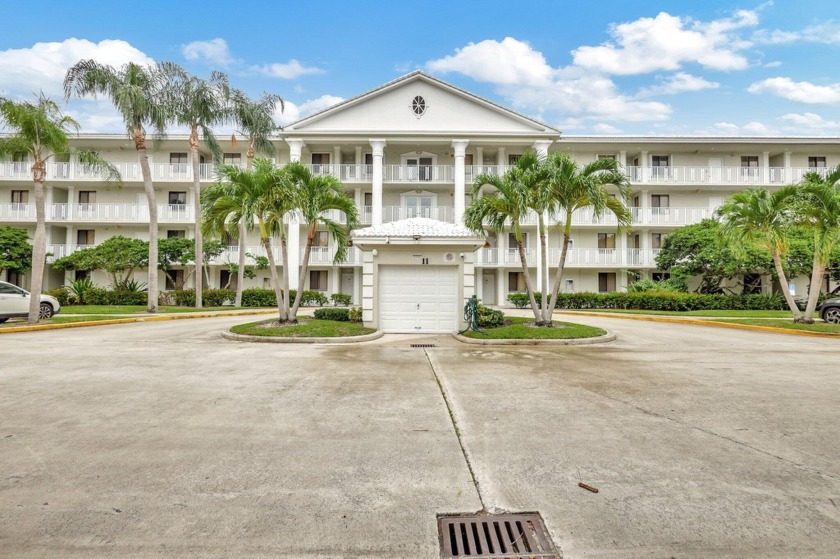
[[278, 340], [150, 318], [608, 337], [700, 322]]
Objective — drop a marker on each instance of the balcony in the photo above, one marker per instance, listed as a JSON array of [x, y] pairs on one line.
[[129, 171], [575, 258], [746, 176], [320, 256]]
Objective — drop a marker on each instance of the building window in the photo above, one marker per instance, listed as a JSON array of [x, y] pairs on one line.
[[81, 274], [368, 159], [20, 197], [179, 158], [368, 199], [320, 158], [15, 278], [656, 240], [660, 161], [570, 286], [85, 237], [659, 276], [176, 234], [177, 198], [606, 240], [817, 162], [174, 279], [418, 106], [318, 280], [512, 242], [750, 161], [321, 239], [606, 282], [605, 156], [660, 203], [232, 158], [516, 282], [513, 158], [87, 197], [418, 206]]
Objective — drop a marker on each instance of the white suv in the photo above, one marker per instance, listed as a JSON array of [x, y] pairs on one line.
[[14, 301]]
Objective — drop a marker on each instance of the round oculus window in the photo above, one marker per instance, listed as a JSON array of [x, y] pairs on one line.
[[418, 106]]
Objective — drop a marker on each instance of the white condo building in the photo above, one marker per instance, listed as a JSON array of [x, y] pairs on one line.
[[407, 153]]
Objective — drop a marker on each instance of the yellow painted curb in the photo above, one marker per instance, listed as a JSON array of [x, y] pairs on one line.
[[699, 321], [129, 320]]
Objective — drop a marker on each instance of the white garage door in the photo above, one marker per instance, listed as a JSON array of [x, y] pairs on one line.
[[418, 299]]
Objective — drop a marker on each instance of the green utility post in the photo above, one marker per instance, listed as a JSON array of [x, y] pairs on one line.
[[471, 315]]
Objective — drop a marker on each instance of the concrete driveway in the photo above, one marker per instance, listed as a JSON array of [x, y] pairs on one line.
[[161, 439]]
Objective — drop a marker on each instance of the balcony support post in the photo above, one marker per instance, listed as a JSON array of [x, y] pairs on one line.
[[500, 160], [643, 163], [71, 203], [501, 293], [479, 156], [336, 164], [460, 147], [765, 164], [378, 146]]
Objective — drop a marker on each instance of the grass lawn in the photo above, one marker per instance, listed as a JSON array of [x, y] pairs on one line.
[[136, 309], [57, 320], [728, 314], [516, 329], [790, 325], [304, 329]]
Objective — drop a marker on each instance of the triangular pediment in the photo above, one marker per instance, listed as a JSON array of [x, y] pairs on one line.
[[448, 110]]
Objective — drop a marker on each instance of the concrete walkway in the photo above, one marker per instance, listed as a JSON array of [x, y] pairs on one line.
[[162, 440]]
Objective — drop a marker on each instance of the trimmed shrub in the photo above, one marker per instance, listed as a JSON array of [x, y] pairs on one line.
[[217, 297], [96, 296], [166, 299], [355, 314], [333, 313], [520, 300], [664, 285], [669, 301], [342, 299], [184, 297], [257, 297], [127, 298], [489, 318], [313, 297], [61, 294]]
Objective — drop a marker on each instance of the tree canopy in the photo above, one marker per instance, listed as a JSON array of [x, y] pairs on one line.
[[15, 250]]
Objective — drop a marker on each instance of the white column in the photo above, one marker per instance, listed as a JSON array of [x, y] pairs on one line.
[[622, 157], [336, 161], [479, 156], [358, 161], [645, 217], [541, 147], [357, 285], [48, 202], [765, 163], [479, 282], [71, 202], [500, 160], [357, 198], [788, 175], [460, 147], [622, 253], [501, 291], [378, 146], [335, 279], [643, 163], [295, 148]]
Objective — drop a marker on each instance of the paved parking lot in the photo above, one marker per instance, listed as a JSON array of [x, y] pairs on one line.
[[161, 439]]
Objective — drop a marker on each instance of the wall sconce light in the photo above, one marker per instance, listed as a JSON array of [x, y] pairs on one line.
[[416, 237], [375, 252], [461, 255]]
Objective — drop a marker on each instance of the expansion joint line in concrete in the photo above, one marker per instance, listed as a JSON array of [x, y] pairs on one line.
[[456, 427]]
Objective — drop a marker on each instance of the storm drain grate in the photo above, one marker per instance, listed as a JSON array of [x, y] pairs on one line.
[[495, 535], [423, 345]]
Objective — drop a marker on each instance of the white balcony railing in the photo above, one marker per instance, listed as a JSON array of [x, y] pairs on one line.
[[575, 258], [326, 256], [395, 213], [129, 171], [418, 173]]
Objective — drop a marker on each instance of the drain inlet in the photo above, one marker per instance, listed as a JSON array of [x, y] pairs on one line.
[[495, 535]]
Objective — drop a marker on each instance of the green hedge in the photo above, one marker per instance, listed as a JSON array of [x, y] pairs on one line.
[[210, 297], [660, 301], [61, 294], [341, 299], [257, 297], [489, 318], [99, 296], [333, 313]]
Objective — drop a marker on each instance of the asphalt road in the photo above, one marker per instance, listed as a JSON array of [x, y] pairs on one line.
[[163, 440]]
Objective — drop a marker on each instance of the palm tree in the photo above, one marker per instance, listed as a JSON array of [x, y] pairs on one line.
[[255, 121], [573, 187], [756, 217], [819, 209], [41, 130], [252, 198], [200, 104], [506, 205], [313, 198], [137, 92]]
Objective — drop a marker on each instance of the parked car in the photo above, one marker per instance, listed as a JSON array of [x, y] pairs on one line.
[[14, 301], [830, 310]]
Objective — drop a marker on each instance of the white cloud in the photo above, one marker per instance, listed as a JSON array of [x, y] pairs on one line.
[[803, 92], [731, 129], [523, 77], [295, 112], [810, 123], [665, 42], [827, 33], [773, 64], [214, 51], [603, 128], [679, 83], [509, 62], [286, 70], [43, 65]]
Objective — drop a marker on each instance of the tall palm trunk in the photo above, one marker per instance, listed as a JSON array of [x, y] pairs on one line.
[[199, 238], [140, 144], [561, 266], [521, 249], [814, 288], [310, 237], [240, 271], [284, 256], [266, 240], [543, 271], [780, 271], [39, 249]]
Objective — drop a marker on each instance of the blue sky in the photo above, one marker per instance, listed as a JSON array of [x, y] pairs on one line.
[[679, 67]]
